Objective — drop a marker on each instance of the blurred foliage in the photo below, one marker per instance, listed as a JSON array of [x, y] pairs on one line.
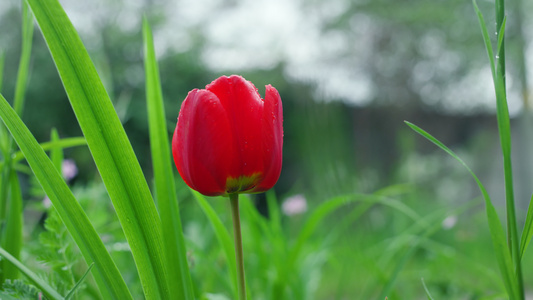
[[415, 53]]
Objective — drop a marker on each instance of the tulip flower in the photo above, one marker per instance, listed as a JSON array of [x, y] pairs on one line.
[[229, 140]]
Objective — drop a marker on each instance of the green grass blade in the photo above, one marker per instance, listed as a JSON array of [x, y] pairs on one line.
[[20, 90], [12, 236], [2, 61], [3, 130], [486, 38], [72, 292], [500, 21], [24, 64], [503, 256], [504, 128], [47, 290], [411, 239], [59, 144], [109, 146], [527, 233], [223, 237], [428, 294], [56, 155], [107, 276], [501, 34], [176, 253], [274, 212], [278, 238], [326, 208]]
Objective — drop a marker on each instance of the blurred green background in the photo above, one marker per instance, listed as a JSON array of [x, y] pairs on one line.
[[349, 73]]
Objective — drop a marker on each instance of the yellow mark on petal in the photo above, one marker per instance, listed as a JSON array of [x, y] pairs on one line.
[[242, 183]]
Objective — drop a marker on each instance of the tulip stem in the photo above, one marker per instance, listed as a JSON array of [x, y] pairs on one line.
[[234, 199]]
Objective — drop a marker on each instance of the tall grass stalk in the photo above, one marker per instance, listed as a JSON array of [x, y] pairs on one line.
[[509, 256], [10, 195], [504, 129], [165, 191]]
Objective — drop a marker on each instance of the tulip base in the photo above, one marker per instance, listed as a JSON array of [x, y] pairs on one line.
[[241, 283]]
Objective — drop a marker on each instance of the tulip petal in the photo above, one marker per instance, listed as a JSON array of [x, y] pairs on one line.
[[272, 139], [228, 139], [244, 109], [202, 143]]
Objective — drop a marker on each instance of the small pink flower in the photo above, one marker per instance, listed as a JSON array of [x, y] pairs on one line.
[[69, 169], [47, 202], [449, 222], [294, 205]]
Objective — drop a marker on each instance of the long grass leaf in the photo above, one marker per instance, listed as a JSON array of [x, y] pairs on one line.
[[72, 291], [411, 239], [223, 237], [20, 90], [12, 236], [2, 61], [109, 146], [527, 233], [503, 256], [428, 294], [24, 64], [56, 155], [504, 128], [486, 38], [60, 144], [326, 208], [107, 276], [165, 191], [501, 34], [4, 136], [47, 290], [273, 212]]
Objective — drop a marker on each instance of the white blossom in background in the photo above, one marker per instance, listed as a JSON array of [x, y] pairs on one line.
[[69, 169], [294, 205], [449, 222]]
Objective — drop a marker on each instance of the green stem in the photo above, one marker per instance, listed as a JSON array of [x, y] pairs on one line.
[[234, 199], [505, 137]]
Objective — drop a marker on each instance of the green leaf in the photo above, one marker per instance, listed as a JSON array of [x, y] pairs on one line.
[[176, 253], [56, 155], [503, 256], [527, 233], [47, 290], [57, 144], [78, 284], [411, 239], [428, 294], [486, 38], [18, 289], [326, 208], [12, 236], [501, 35], [273, 212], [107, 276], [109, 146], [223, 237], [2, 60], [4, 136], [24, 64], [504, 128]]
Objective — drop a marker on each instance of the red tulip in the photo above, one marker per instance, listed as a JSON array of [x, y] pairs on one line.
[[229, 140]]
